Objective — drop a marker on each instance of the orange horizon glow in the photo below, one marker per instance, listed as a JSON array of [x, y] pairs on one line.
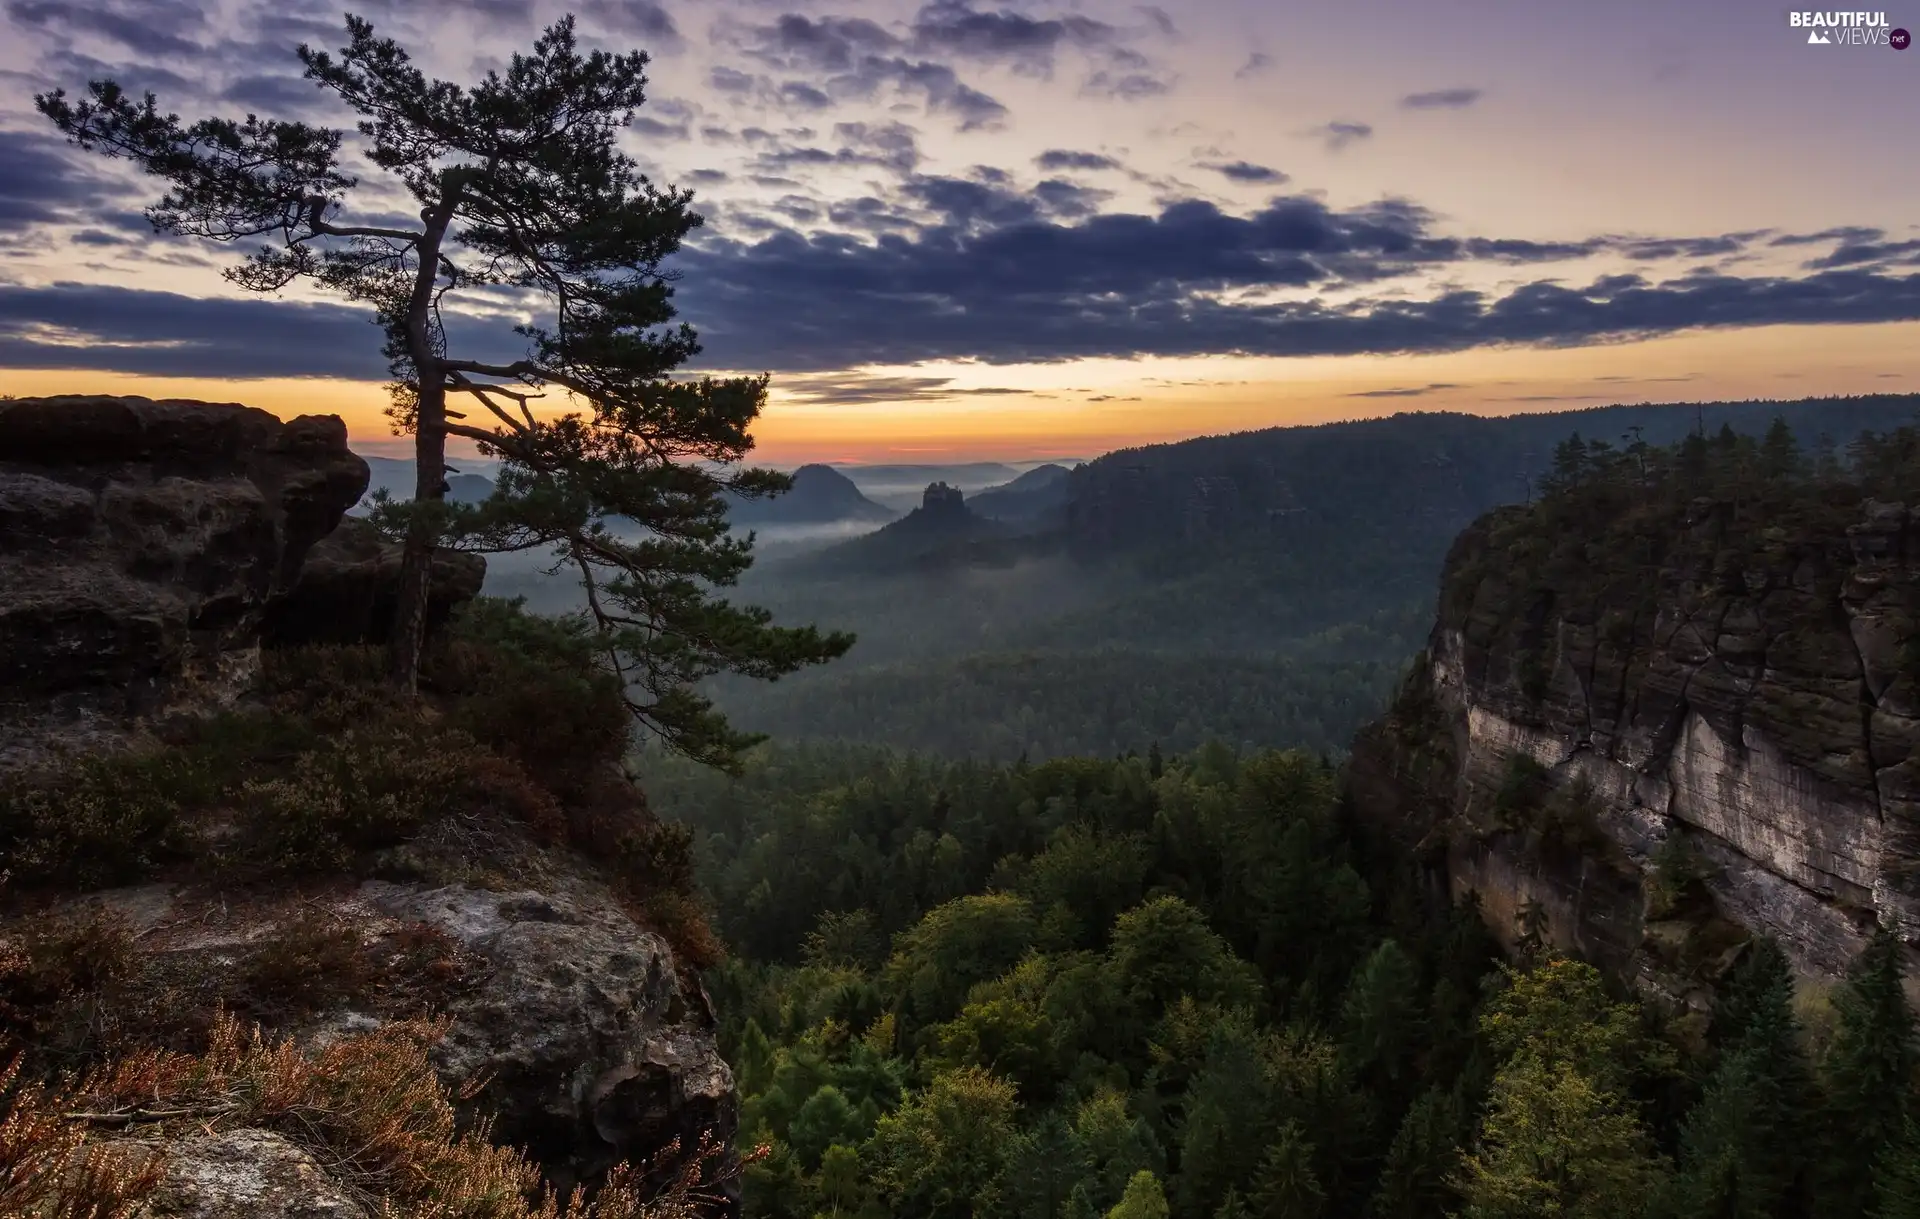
[[1083, 409]]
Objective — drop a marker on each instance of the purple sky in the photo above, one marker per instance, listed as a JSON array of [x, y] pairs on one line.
[[968, 219]]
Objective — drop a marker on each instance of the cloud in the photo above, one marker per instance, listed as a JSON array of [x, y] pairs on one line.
[[943, 90], [279, 93], [952, 27], [893, 146], [856, 388], [1855, 253], [1258, 62], [1069, 199], [639, 18], [828, 44], [1065, 158], [850, 57], [1193, 280], [495, 12], [802, 96], [1843, 233], [1337, 135], [656, 129], [1442, 99], [40, 183], [1125, 86], [797, 305], [980, 268], [732, 80], [70, 68], [1413, 391], [1246, 171], [149, 27]]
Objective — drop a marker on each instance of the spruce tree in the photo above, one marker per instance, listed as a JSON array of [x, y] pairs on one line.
[[1382, 1019], [1897, 1181], [1780, 452], [1044, 1169], [1413, 1181], [1729, 1161], [1869, 1075], [1286, 1187], [520, 187]]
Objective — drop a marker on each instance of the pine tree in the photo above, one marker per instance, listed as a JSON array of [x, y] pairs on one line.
[[1780, 452], [520, 186], [1286, 1187], [1043, 1170], [1897, 1180], [1784, 1109], [1423, 1155], [1728, 1147], [1382, 1020], [1869, 1075], [1233, 1207], [1693, 464]]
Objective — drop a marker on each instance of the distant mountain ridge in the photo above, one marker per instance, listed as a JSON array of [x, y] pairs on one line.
[[1030, 497], [820, 494], [1426, 472]]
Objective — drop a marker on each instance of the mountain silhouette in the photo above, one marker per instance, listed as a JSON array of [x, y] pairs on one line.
[[820, 494]]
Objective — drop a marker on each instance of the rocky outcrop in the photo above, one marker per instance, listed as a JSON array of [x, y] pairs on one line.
[[149, 548], [571, 1030], [141, 544], [589, 1047], [346, 589], [1647, 759], [148, 551]]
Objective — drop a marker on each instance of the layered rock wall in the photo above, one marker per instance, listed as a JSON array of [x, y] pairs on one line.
[[141, 544], [1734, 719]]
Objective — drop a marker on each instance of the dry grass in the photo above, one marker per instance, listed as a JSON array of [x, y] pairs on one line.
[[368, 1108], [75, 988]]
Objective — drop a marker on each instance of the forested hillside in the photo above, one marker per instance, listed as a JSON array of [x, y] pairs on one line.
[[1189, 987], [1262, 587]]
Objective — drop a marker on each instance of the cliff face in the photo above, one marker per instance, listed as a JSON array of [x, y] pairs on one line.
[[1687, 726]]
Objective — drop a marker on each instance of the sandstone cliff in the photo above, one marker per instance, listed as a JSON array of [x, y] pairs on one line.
[[454, 916], [1650, 724]]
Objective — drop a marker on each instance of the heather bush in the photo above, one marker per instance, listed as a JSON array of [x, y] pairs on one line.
[[370, 1107]]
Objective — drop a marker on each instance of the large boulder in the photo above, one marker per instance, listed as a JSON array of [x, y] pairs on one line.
[[588, 1045], [571, 1029], [141, 543]]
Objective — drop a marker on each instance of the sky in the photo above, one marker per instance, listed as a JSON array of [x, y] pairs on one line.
[[967, 229]]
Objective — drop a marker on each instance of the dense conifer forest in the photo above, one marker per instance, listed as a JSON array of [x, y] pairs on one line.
[[1191, 986], [1188, 983]]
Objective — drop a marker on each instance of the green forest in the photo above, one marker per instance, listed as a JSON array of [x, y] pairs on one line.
[[1192, 986], [1059, 704], [1185, 981]]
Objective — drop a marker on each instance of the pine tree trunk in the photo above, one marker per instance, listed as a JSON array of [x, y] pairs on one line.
[[416, 556], [408, 638]]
